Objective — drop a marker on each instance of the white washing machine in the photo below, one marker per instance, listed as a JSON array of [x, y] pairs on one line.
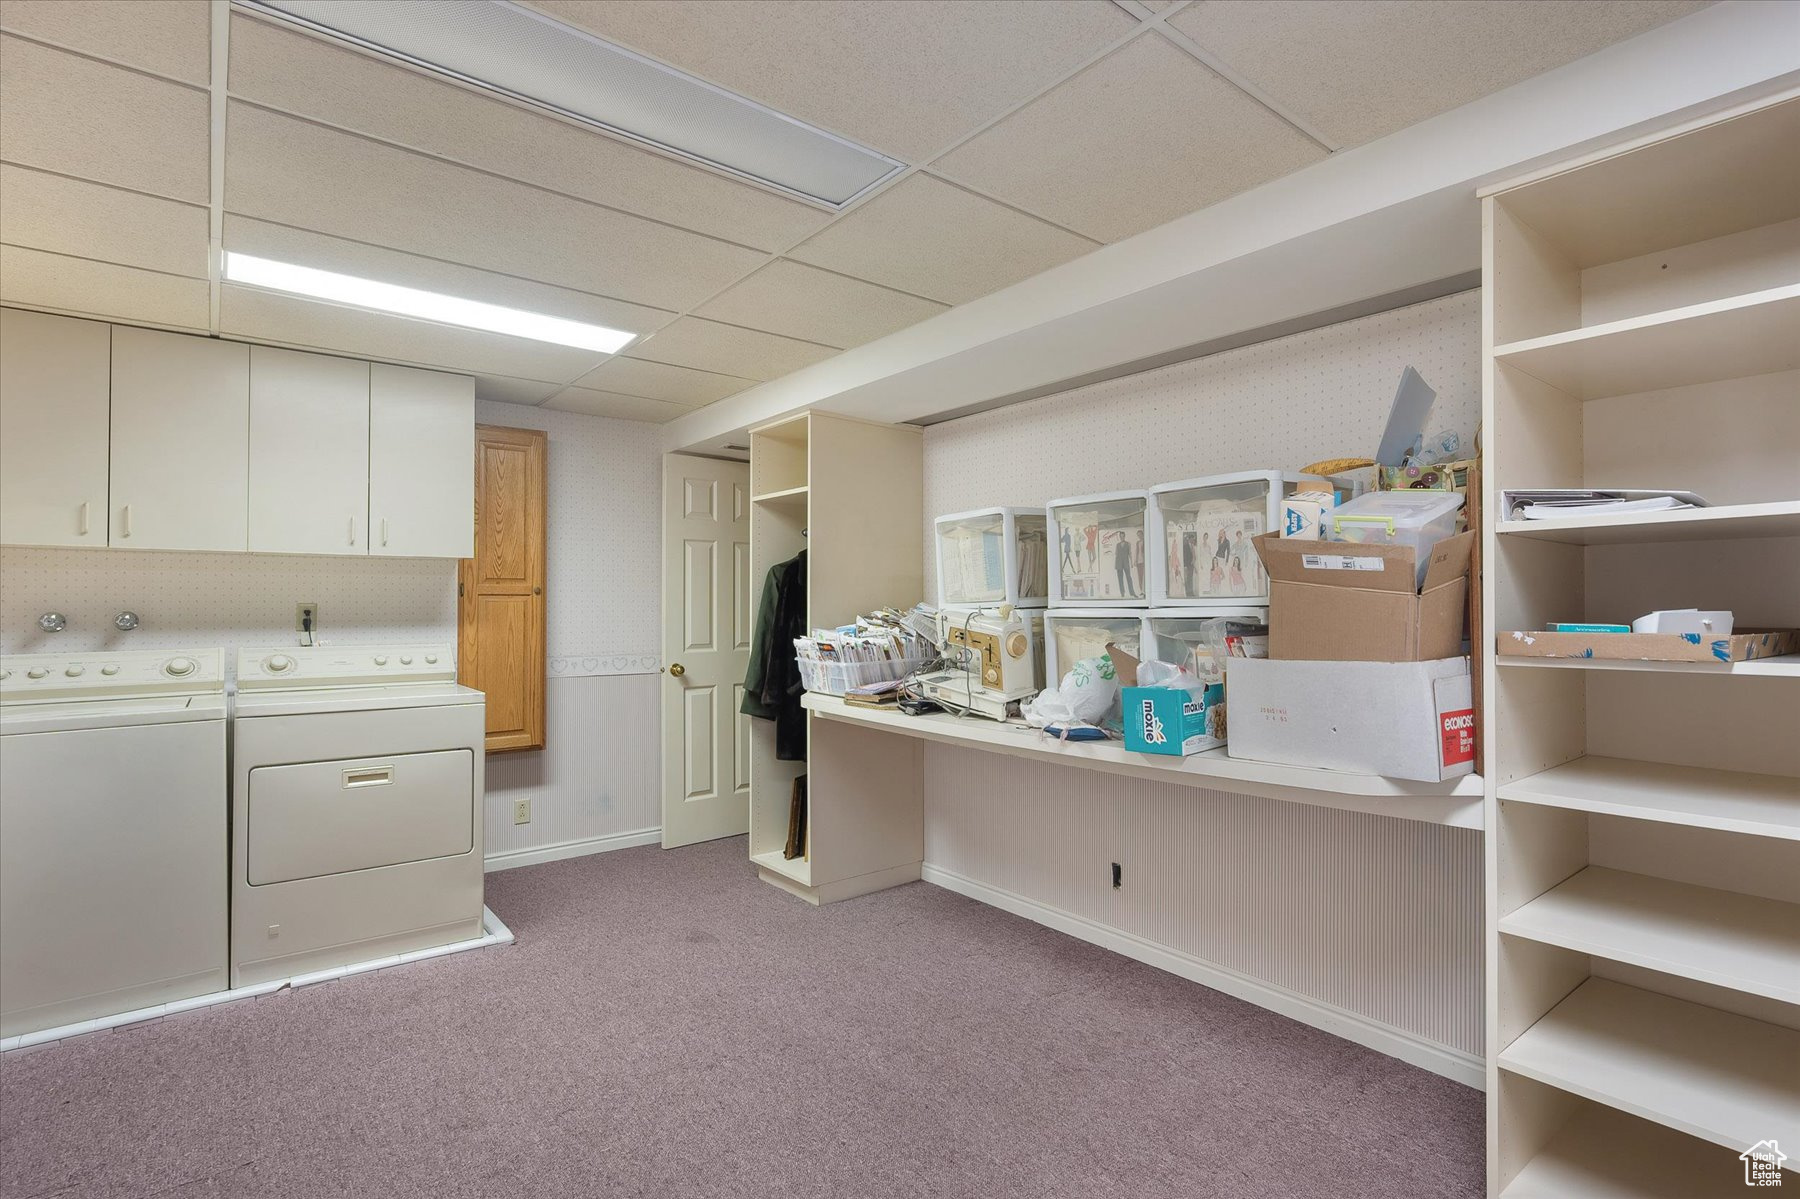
[[356, 792], [113, 844]]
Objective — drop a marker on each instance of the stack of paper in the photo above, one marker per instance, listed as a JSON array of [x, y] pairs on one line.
[[1552, 503]]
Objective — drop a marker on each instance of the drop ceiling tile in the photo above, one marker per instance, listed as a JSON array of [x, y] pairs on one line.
[[40, 280], [503, 390], [728, 350], [301, 246], [292, 172], [797, 300], [1359, 69], [930, 238], [309, 324], [78, 117], [165, 37], [904, 78], [300, 74], [1141, 137], [1156, 5], [658, 381], [87, 220], [589, 402]]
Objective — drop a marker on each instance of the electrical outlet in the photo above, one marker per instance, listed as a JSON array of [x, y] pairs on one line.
[[304, 613], [1118, 876], [521, 811]]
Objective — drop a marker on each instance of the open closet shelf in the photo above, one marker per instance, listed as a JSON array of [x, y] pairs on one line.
[[1730, 801], [1706, 1072], [798, 869], [790, 495], [1786, 666], [1726, 521], [1606, 1154], [1754, 334], [1456, 803], [1720, 937]]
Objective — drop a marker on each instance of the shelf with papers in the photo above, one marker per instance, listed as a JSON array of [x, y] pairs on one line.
[[1785, 666], [1778, 519], [1456, 802]]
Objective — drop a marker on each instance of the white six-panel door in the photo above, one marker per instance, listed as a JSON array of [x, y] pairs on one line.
[[709, 608], [54, 389], [309, 453]]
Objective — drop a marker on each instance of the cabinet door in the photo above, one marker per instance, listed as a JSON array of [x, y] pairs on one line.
[[180, 442], [309, 453], [500, 615], [421, 463], [54, 378]]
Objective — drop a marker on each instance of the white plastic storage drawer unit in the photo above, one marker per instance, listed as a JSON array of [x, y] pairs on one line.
[[1178, 635], [1071, 634], [1098, 542], [1203, 528], [993, 556]]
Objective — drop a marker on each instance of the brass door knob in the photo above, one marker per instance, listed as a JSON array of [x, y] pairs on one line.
[[677, 669]]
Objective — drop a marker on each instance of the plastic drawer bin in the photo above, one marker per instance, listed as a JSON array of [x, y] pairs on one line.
[[993, 556], [1420, 519], [1176, 635], [835, 678], [1098, 542], [1204, 527], [1071, 634]]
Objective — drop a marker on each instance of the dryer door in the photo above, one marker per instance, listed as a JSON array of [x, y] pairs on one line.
[[323, 818]]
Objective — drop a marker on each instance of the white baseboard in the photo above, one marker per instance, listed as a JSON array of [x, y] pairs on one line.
[[509, 858], [1453, 1064]]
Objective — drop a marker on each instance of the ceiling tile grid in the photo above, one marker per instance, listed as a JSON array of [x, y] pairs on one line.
[[1031, 133]]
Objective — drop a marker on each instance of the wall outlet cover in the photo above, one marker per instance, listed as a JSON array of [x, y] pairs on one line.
[[521, 811]]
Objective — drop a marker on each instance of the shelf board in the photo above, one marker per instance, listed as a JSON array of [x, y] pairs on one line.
[[1724, 522], [1605, 1154], [1456, 802], [798, 869], [1762, 805], [1785, 666], [1743, 942], [787, 496], [1711, 1074], [1754, 334]]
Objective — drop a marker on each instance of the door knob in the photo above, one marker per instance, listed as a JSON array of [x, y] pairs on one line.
[[677, 669]]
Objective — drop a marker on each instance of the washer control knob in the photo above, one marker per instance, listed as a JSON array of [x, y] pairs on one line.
[[36, 672], [406, 659], [75, 672], [381, 659], [431, 659], [180, 667], [5, 674], [278, 664], [109, 670]]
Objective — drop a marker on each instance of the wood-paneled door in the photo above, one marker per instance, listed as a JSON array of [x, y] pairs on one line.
[[500, 604]]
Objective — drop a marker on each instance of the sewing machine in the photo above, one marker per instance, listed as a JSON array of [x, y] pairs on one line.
[[997, 657]]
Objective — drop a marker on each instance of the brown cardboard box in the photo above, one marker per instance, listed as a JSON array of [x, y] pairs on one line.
[[1344, 601], [1743, 646]]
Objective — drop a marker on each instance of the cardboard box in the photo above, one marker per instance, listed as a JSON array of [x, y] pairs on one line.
[[1332, 601], [1168, 720], [1653, 647], [1404, 720]]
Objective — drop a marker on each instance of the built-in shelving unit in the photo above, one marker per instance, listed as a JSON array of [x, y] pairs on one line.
[[850, 493], [1642, 330]]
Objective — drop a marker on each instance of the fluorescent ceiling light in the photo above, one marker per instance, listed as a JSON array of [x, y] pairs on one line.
[[426, 305], [504, 47]]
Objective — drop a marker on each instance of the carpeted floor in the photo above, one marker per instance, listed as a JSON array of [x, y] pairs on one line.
[[667, 1026]]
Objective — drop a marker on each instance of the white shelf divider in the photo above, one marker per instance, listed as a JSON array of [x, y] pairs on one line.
[[1761, 805], [1780, 518], [1709, 1073], [1744, 942]]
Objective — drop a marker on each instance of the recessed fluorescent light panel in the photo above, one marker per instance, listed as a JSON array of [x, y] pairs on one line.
[[426, 305], [503, 47]]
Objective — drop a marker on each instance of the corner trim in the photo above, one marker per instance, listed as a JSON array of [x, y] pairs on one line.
[[1453, 1064], [538, 854]]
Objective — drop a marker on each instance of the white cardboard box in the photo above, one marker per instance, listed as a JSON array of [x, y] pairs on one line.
[[1405, 720]]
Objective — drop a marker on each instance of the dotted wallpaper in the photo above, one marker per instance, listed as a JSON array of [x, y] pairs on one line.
[[1278, 404]]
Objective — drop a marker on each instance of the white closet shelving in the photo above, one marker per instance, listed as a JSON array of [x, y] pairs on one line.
[[1642, 329]]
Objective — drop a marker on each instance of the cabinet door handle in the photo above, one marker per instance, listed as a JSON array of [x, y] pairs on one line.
[[384, 530], [125, 521], [352, 530], [83, 518]]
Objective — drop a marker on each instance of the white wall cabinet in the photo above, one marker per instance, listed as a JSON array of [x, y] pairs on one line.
[[180, 441], [421, 463], [309, 453], [54, 383]]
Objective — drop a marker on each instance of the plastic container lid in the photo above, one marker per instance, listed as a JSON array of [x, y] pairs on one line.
[[1401, 509]]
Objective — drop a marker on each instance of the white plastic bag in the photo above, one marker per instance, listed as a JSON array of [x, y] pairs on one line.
[[1084, 698]]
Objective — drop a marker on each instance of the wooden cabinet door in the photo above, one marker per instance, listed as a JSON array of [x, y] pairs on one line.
[[421, 437], [180, 442], [500, 610], [54, 385], [309, 453]]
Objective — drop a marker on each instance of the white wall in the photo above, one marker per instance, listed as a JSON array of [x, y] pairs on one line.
[[1366, 919]]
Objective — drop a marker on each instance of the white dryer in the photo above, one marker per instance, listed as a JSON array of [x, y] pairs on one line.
[[356, 802], [113, 843]]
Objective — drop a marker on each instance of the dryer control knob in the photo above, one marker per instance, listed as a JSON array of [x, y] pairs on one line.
[[278, 664], [109, 670], [406, 659], [431, 659], [75, 672], [179, 667], [381, 659], [36, 672]]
